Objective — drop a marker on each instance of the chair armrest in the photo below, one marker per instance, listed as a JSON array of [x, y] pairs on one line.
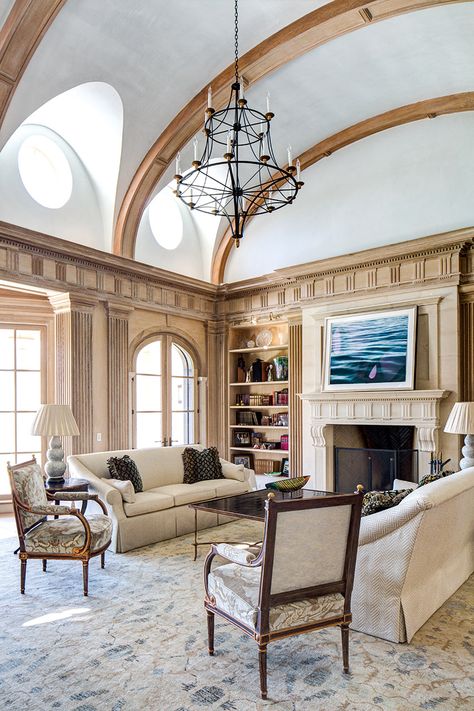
[[76, 496], [241, 556], [250, 477], [381, 524], [52, 510]]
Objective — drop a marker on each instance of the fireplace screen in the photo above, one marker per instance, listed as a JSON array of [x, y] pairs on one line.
[[375, 469]]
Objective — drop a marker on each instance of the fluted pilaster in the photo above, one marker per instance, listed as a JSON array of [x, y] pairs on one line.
[[73, 333], [295, 385], [117, 369], [217, 364]]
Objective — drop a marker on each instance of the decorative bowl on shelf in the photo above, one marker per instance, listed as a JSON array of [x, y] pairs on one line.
[[293, 484], [250, 344], [264, 339]]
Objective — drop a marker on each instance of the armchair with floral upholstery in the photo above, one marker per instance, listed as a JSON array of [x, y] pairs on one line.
[[300, 580], [68, 536]]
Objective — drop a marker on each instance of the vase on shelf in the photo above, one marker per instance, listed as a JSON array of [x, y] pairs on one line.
[[281, 367]]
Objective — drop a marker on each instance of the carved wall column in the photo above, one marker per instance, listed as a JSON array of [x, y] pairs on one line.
[[117, 375], [217, 395], [465, 346], [73, 335], [295, 386]]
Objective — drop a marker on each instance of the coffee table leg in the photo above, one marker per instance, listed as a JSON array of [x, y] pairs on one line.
[[195, 533]]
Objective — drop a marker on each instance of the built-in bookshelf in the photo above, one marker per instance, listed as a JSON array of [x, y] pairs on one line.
[[258, 396]]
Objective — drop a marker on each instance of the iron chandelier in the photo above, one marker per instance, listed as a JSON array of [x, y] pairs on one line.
[[237, 175]]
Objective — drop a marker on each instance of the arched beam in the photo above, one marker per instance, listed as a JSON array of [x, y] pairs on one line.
[[316, 28], [429, 109], [20, 35]]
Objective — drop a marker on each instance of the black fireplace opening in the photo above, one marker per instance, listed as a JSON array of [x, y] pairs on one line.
[[386, 454]]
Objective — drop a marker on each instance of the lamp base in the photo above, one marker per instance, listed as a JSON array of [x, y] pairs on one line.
[[55, 466], [468, 452]]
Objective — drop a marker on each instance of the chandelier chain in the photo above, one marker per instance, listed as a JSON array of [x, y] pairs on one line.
[[236, 39]]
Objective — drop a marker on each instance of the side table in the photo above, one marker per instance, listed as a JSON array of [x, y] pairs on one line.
[[55, 487]]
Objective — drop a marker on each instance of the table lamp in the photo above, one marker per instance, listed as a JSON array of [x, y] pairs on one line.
[[461, 421], [54, 421]]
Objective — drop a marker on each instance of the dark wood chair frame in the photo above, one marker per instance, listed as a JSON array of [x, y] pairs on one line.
[[262, 633], [84, 553]]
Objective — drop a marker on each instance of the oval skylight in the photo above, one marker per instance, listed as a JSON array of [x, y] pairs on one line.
[[165, 219], [45, 171]]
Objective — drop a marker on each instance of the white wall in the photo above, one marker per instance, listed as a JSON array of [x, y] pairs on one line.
[[404, 183], [79, 220]]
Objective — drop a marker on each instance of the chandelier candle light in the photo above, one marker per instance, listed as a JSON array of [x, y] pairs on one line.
[[237, 174]]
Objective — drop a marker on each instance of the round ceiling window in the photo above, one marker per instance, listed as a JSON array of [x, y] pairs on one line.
[[45, 171], [165, 219]]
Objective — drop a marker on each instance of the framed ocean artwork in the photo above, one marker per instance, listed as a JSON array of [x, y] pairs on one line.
[[370, 351]]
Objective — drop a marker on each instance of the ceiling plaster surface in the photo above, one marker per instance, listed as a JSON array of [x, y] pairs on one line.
[[156, 54], [5, 7], [398, 185]]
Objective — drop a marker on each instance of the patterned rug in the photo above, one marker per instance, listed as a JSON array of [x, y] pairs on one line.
[[138, 643]]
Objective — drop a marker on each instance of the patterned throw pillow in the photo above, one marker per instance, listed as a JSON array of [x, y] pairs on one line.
[[379, 500], [428, 478], [201, 465], [124, 468]]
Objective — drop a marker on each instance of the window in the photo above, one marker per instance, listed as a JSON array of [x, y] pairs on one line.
[[166, 222], [45, 171], [21, 393], [165, 384]]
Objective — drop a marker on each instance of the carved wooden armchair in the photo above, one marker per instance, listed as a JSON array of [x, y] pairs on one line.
[[69, 536], [301, 580]]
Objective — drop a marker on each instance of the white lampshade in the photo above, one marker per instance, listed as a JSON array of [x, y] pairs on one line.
[[461, 419], [54, 420]]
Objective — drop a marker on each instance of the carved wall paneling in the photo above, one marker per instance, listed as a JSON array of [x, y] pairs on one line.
[[73, 329], [295, 353], [117, 367]]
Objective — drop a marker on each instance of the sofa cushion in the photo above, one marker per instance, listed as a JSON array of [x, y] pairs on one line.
[[428, 478], [126, 489], [375, 501], [125, 468], [65, 534], [147, 502], [232, 471], [229, 487], [201, 465], [188, 493]]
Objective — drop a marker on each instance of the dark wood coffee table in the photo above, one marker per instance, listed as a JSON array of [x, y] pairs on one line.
[[250, 505]]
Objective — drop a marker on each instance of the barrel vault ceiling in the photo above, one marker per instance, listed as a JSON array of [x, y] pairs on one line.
[[354, 87]]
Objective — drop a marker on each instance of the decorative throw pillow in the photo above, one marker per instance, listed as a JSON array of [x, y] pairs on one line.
[[379, 500], [201, 465], [126, 489], [125, 468], [428, 478]]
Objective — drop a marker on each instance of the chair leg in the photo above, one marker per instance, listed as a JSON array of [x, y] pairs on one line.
[[85, 576], [345, 647], [262, 663], [23, 577], [44, 565], [102, 560], [210, 632]]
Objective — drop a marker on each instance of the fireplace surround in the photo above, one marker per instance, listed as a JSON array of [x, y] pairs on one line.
[[417, 408]]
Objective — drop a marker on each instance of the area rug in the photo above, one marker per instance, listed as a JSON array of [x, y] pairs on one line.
[[138, 643]]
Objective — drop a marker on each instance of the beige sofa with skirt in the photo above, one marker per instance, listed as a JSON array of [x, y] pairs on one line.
[[162, 510], [413, 557]]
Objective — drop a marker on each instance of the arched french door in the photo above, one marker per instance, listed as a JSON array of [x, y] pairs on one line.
[[164, 394]]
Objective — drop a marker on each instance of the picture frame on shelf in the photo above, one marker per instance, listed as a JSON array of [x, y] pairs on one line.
[[285, 466], [245, 459], [370, 351], [242, 438]]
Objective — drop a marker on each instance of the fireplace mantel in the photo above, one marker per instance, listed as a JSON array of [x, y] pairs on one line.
[[397, 407], [417, 408]]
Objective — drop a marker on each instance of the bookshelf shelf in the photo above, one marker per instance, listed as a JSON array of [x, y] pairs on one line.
[[250, 391]]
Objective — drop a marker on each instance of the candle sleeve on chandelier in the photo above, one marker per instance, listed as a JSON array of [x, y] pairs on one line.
[[298, 170], [209, 98], [290, 161], [196, 146]]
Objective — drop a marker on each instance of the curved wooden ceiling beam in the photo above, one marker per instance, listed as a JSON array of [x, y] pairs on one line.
[[316, 28], [429, 109], [20, 35]]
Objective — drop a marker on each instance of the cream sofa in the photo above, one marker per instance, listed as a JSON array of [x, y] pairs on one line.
[[413, 557], [162, 510]]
